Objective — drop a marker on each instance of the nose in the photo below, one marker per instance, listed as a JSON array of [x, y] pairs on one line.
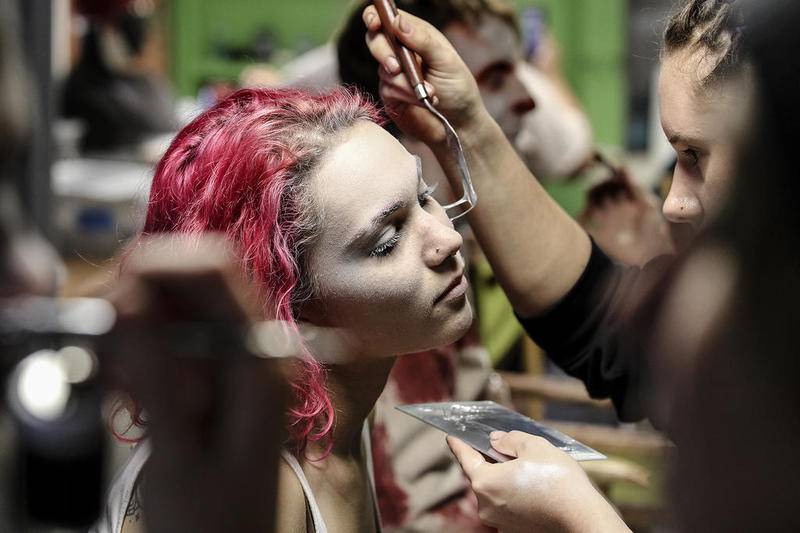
[[682, 205], [440, 241], [520, 98]]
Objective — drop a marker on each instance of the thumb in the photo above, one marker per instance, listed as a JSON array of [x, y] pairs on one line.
[[421, 37], [513, 444], [471, 461]]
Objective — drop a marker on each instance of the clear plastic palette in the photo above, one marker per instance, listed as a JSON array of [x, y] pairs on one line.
[[473, 422]]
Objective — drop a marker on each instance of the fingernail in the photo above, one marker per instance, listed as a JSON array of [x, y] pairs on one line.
[[403, 24], [435, 100], [392, 65], [428, 87], [497, 435]]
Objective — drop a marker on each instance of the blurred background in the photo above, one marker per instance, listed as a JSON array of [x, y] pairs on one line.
[[114, 80]]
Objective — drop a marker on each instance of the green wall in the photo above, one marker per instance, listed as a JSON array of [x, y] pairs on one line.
[[592, 34], [593, 37], [199, 26]]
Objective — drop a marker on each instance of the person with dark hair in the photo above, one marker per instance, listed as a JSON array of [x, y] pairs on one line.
[[734, 403], [721, 328], [484, 32], [120, 104], [527, 101]]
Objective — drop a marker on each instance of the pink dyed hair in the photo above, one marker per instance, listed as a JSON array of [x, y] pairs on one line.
[[241, 169]]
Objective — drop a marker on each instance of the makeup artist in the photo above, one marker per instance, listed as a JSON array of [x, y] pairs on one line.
[[571, 298]]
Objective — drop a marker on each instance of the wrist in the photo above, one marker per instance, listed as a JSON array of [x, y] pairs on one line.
[[474, 132], [477, 129], [596, 515]]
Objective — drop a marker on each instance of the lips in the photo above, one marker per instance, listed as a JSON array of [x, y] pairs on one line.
[[454, 290]]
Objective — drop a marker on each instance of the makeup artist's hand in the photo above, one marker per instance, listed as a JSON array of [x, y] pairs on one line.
[[215, 420], [542, 490], [453, 87]]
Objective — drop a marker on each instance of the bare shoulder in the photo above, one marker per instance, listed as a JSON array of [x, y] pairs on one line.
[[290, 505]]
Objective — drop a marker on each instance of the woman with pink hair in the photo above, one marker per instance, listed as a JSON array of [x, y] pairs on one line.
[[335, 229]]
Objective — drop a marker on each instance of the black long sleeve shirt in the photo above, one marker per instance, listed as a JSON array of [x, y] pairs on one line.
[[588, 332]]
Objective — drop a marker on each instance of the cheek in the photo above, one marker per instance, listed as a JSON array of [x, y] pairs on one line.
[[495, 102], [717, 180], [372, 293]]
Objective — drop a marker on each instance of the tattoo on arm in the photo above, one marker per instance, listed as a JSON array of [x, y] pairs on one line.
[[134, 511]]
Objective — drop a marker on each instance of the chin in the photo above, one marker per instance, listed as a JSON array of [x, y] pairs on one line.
[[442, 333], [456, 325]]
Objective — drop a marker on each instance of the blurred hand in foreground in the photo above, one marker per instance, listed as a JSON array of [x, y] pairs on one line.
[[214, 410]]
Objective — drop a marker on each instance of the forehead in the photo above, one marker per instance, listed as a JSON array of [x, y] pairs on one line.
[[490, 41], [364, 173], [687, 109]]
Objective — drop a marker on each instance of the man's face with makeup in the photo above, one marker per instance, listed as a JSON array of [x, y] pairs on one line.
[[387, 259], [696, 123], [491, 49]]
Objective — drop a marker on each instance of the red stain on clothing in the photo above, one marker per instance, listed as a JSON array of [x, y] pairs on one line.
[[462, 513], [426, 376], [392, 500]]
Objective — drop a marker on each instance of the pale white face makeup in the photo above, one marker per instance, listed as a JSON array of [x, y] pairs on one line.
[[386, 261], [696, 123], [491, 51]]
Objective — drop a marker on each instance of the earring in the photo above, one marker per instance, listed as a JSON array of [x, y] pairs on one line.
[[437, 251]]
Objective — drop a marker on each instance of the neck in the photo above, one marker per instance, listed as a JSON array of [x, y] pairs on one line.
[[354, 388]]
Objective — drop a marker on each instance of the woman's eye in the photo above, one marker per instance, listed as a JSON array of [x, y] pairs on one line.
[[389, 241], [385, 247]]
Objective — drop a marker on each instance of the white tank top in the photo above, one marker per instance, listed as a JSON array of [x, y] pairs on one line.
[[121, 489]]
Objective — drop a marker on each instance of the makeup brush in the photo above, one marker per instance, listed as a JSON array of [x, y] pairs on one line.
[[387, 11]]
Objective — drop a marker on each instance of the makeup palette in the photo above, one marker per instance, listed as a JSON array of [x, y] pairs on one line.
[[473, 422]]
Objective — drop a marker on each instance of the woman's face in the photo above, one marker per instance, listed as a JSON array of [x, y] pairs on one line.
[[698, 124], [386, 263]]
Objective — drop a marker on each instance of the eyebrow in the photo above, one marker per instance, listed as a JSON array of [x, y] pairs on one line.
[[379, 219], [676, 138], [498, 65]]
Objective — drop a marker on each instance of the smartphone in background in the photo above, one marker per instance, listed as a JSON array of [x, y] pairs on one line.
[[533, 23]]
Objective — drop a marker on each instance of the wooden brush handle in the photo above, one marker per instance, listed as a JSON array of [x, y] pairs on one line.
[[387, 11]]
